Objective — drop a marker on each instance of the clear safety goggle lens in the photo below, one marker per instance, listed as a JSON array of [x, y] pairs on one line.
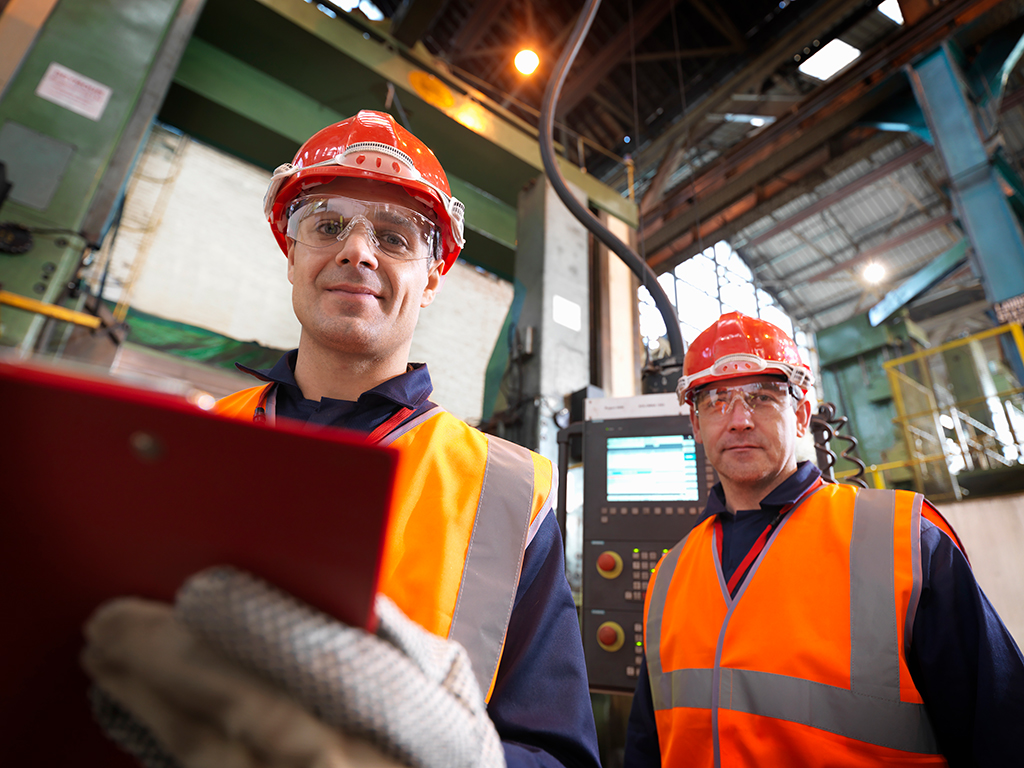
[[396, 231], [759, 396]]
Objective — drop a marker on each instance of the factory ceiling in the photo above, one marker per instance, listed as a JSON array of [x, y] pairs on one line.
[[701, 111]]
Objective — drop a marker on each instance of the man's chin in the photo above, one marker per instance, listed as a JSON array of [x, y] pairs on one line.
[[742, 466]]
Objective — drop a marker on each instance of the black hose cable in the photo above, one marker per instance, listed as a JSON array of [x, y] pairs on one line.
[[638, 266]]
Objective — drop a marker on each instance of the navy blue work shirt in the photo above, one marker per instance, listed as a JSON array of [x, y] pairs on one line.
[[540, 704], [963, 660], [410, 390]]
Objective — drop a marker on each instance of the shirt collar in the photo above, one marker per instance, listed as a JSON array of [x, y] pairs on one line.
[[408, 390], [787, 492]]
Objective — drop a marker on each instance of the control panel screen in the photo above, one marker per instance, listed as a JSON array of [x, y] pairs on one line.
[[652, 468]]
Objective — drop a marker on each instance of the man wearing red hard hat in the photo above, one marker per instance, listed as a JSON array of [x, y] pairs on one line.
[[803, 623], [473, 573]]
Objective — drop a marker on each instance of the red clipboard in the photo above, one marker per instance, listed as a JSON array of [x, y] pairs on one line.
[[110, 490]]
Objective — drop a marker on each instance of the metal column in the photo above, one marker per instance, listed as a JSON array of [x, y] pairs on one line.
[[71, 122], [983, 209], [553, 359]]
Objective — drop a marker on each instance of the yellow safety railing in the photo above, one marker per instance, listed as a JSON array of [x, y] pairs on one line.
[[957, 411]]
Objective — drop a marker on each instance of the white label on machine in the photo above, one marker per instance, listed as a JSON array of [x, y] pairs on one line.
[[567, 313], [606, 408], [73, 91]]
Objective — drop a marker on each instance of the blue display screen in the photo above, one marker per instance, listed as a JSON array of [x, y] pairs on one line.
[[652, 468]]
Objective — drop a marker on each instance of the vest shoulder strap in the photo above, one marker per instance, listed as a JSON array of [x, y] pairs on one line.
[[497, 545], [494, 560]]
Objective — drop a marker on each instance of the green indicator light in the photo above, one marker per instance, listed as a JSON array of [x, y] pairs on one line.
[[652, 570], [639, 643], [664, 551], [636, 550]]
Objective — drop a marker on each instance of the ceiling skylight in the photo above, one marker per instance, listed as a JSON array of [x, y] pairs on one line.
[[829, 60], [891, 8], [330, 8]]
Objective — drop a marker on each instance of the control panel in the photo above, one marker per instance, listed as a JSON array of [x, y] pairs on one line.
[[645, 481]]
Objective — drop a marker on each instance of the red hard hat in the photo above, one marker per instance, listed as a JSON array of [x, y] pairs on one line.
[[370, 145], [737, 345]]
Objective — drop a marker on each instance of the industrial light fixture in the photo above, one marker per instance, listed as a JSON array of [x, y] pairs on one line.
[[874, 272], [527, 61], [830, 59]]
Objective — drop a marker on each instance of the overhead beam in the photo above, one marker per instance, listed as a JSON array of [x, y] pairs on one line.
[[483, 16], [666, 168], [413, 18], [256, 96], [910, 156], [753, 73], [598, 66], [720, 21], [798, 180], [717, 191], [827, 111], [852, 149], [888, 245], [464, 104], [688, 53], [918, 283]]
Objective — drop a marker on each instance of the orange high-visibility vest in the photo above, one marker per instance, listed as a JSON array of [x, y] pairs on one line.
[[806, 665], [455, 544]]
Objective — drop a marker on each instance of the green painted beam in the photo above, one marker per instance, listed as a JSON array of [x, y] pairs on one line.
[[462, 103], [491, 217], [918, 283], [208, 71], [245, 90]]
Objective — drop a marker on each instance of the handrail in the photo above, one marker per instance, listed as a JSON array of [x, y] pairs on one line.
[[980, 336]]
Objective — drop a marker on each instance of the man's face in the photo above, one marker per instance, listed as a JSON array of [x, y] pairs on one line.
[[352, 298], [752, 447]]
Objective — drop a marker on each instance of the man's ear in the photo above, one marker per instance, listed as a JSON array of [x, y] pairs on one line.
[[291, 261], [695, 421], [434, 282], [803, 416]]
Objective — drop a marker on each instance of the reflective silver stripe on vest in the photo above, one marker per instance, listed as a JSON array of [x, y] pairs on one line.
[[891, 724], [661, 686], [495, 557], [874, 650], [872, 712], [915, 569]]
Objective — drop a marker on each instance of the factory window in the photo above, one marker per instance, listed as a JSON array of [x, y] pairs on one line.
[[706, 286]]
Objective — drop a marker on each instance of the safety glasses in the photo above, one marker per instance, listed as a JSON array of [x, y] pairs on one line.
[[398, 232], [716, 401]]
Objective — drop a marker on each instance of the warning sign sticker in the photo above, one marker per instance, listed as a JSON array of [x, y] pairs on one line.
[[73, 91]]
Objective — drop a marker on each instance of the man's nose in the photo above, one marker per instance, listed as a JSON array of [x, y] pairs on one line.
[[738, 412], [358, 246]]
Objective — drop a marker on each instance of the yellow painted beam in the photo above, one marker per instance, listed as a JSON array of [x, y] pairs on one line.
[[18, 301]]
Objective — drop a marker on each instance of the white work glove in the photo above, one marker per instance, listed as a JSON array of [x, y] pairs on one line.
[[240, 674]]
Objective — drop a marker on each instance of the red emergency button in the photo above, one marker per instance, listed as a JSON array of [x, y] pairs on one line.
[[610, 636], [609, 564]]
